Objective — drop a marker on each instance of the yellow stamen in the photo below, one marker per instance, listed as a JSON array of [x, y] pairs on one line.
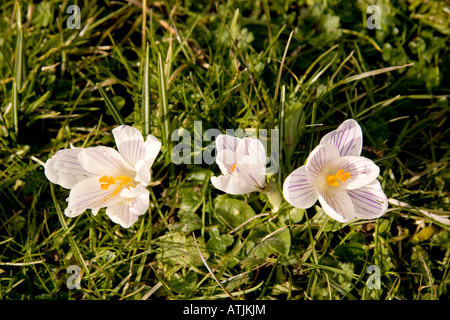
[[233, 168], [333, 180], [106, 181]]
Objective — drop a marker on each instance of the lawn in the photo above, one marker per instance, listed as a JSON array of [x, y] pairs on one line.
[[287, 72]]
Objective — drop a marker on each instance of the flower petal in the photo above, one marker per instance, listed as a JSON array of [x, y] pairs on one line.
[[130, 143], [297, 190], [120, 213], [64, 169], [225, 159], [318, 160], [226, 142], [370, 202], [105, 161], [252, 173], [232, 184], [251, 147], [338, 205], [362, 171], [347, 138], [88, 194], [152, 146]]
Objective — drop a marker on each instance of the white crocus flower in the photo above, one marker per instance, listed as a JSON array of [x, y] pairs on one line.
[[335, 174], [242, 163], [104, 177]]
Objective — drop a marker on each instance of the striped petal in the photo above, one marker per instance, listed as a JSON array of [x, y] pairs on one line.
[[130, 143], [120, 214], [135, 202], [252, 173], [338, 205], [226, 142], [318, 160], [89, 195], [251, 147], [105, 161], [362, 171], [151, 147], [297, 190], [347, 138], [370, 202], [225, 159], [232, 184], [64, 169]]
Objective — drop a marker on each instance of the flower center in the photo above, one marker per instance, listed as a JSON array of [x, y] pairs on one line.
[[106, 181], [333, 180]]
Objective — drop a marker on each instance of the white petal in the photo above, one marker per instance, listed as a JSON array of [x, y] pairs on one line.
[[347, 138], [370, 202], [120, 214], [226, 142], [318, 160], [362, 171], [64, 169], [297, 190], [88, 194], [337, 205], [140, 204], [251, 147], [152, 146], [232, 184], [134, 202], [130, 143], [226, 159], [252, 173], [105, 161]]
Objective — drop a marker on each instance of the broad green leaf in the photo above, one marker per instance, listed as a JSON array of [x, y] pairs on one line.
[[185, 283], [218, 243], [352, 251], [189, 222], [233, 211]]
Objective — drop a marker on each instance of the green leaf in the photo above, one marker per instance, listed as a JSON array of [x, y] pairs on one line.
[[233, 211], [218, 243], [178, 249], [291, 215], [189, 222], [279, 243], [352, 251], [185, 283]]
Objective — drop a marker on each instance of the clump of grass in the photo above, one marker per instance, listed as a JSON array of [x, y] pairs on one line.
[[234, 65]]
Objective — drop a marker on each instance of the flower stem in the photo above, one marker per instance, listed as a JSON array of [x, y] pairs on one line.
[[274, 194]]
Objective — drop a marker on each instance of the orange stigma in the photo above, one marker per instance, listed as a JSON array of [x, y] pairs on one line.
[[333, 180], [106, 181]]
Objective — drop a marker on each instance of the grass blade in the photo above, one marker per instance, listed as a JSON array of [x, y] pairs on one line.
[[111, 106], [15, 109], [73, 244], [37, 103], [162, 88], [146, 92]]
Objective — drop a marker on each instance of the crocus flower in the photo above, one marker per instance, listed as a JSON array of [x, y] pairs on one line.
[[335, 174], [242, 163], [100, 177]]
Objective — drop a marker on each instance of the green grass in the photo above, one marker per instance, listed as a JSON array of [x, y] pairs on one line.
[[299, 66]]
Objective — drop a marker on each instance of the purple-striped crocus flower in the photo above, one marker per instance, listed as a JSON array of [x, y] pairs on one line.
[[335, 174], [100, 177], [242, 163]]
